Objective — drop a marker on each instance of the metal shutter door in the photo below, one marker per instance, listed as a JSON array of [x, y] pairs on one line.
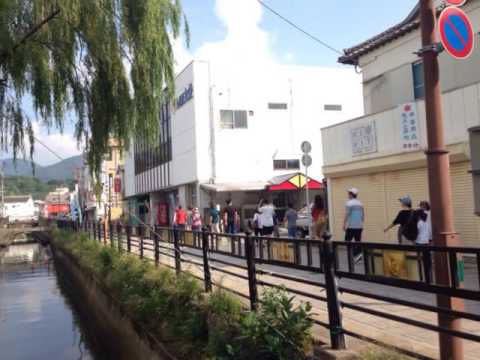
[[371, 194]]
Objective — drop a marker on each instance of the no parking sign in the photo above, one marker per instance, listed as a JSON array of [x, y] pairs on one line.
[[456, 32]]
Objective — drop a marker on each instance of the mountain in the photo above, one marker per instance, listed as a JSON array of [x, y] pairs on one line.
[[62, 170]]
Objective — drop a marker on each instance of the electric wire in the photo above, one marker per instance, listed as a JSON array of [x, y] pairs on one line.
[[291, 23]]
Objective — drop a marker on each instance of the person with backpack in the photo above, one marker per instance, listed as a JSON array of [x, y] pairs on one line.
[[407, 222]]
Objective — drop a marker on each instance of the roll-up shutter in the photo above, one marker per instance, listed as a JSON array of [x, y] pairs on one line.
[[371, 194]]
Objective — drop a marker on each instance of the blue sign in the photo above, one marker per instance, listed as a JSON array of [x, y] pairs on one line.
[[185, 96], [456, 32]]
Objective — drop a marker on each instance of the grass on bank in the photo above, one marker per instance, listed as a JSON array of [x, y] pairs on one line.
[[196, 325]]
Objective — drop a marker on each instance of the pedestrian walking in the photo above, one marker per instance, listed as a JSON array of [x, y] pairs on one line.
[[189, 218], [407, 222], [423, 236], [354, 220], [179, 221], [196, 220], [214, 215], [230, 218], [290, 220], [319, 218], [257, 224], [267, 214], [425, 206]]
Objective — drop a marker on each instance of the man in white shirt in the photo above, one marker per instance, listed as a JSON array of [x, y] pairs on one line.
[[267, 214]]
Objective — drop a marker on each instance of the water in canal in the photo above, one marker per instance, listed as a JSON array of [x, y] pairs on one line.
[[37, 320]]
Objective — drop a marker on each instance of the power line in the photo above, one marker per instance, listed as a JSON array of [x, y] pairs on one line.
[[313, 37], [46, 147]]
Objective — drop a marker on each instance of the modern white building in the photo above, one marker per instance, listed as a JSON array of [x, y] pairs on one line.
[[20, 208], [232, 130]]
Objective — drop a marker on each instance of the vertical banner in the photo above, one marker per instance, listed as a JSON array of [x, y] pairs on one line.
[[395, 264], [409, 129]]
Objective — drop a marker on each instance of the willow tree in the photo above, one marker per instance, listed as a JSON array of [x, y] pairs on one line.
[[103, 63]]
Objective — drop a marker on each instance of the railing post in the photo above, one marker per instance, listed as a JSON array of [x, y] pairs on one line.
[[99, 229], [176, 248], [206, 267], [119, 237], [142, 233], [156, 246], [94, 230], [104, 228], [337, 337], [129, 240], [110, 233], [252, 278]]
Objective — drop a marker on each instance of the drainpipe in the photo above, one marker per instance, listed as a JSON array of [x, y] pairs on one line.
[[213, 161]]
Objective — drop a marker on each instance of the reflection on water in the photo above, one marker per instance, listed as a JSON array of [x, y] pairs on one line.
[[36, 321]]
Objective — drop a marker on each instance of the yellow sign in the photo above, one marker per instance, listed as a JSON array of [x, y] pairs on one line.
[[283, 251], [395, 264]]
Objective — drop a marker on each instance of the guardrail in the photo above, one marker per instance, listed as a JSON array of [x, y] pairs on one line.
[[251, 259]]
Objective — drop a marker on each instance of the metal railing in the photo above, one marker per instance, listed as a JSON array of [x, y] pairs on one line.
[[289, 261]]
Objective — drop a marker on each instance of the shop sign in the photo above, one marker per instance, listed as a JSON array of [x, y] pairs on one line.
[[162, 215], [409, 129], [118, 185], [185, 96], [364, 139]]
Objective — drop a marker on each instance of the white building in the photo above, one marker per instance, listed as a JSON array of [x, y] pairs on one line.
[[20, 208], [384, 159], [232, 130]]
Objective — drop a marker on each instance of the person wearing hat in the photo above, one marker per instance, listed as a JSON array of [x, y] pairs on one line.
[[407, 221], [354, 220]]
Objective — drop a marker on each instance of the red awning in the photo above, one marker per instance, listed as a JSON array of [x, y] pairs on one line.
[[295, 181]]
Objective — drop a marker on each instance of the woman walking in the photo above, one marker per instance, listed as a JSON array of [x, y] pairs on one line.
[[319, 218]]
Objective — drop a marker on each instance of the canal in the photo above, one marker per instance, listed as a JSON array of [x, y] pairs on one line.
[[37, 317]]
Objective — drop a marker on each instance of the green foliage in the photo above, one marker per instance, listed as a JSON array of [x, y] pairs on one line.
[[198, 326], [107, 61], [25, 185]]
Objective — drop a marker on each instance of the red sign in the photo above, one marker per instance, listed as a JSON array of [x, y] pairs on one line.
[[456, 2], [162, 215], [456, 32], [117, 185]]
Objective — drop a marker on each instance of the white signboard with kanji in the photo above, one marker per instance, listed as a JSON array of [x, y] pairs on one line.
[[409, 129], [364, 139]]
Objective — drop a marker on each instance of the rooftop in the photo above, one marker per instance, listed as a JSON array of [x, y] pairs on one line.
[[16, 199]]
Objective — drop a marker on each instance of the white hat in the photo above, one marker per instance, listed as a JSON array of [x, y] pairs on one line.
[[353, 191]]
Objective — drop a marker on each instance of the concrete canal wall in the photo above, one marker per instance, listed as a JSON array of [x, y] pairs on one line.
[[103, 317]]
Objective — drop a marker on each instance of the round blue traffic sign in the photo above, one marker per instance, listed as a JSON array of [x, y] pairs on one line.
[[456, 32]]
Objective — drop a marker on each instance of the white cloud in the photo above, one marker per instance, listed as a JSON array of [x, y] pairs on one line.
[[245, 42]]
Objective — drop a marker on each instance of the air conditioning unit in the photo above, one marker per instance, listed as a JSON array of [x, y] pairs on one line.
[[475, 163]]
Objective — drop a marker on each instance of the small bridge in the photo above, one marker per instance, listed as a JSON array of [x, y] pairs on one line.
[[19, 235]]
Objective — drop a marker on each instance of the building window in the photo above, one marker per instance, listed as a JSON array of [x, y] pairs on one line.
[[332, 107], [418, 81], [233, 119], [288, 164], [277, 106]]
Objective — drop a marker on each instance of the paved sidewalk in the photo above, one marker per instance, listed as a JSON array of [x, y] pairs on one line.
[[411, 338]]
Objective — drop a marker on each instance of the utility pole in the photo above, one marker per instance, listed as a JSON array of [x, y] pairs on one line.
[[439, 181]]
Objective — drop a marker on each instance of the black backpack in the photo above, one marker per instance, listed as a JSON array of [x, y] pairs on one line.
[[410, 229]]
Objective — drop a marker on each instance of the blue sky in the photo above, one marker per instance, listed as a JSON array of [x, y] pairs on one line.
[[341, 23], [232, 29]]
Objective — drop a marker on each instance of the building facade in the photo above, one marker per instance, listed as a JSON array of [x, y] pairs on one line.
[[230, 131], [97, 200], [382, 153], [20, 208]]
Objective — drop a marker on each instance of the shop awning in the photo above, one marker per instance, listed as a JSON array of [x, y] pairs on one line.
[[295, 181], [238, 186]]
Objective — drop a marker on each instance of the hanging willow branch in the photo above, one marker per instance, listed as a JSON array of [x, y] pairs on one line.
[[106, 61]]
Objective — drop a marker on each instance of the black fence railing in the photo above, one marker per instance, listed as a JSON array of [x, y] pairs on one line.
[[286, 263]]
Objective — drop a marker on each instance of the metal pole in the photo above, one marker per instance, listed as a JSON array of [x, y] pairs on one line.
[[207, 277], [252, 277], [307, 194], [439, 182]]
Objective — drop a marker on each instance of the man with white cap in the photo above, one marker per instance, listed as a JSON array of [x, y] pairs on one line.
[[354, 219]]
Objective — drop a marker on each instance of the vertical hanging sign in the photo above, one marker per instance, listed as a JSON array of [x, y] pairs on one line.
[[409, 131]]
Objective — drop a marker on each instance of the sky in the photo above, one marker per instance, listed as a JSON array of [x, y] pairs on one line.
[[244, 31]]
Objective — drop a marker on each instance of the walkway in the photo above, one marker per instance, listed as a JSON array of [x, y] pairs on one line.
[[411, 338]]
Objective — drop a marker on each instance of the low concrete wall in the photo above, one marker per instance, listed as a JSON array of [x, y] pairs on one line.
[[111, 330]]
